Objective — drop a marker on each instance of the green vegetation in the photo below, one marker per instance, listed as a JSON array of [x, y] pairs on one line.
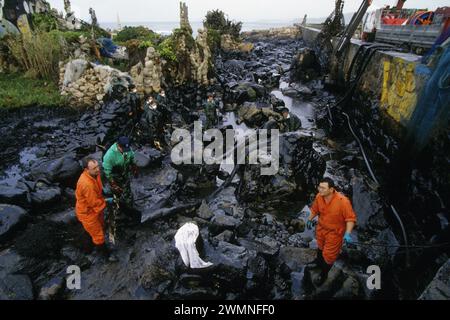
[[217, 25], [136, 33], [19, 91], [44, 22], [38, 53], [167, 50], [145, 44], [69, 36], [213, 39], [216, 20], [178, 33]]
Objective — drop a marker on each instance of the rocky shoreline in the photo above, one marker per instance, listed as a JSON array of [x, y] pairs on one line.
[[252, 227], [257, 251]]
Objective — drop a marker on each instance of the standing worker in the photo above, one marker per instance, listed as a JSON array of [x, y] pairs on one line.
[[336, 222], [164, 107], [118, 164], [210, 111], [91, 204], [134, 103], [151, 122]]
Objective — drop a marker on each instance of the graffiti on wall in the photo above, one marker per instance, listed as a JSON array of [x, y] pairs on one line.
[[399, 95]]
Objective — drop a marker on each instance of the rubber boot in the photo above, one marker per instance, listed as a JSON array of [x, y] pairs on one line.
[[106, 252], [324, 269], [317, 262]]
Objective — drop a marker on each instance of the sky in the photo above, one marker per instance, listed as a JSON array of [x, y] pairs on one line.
[[240, 10]]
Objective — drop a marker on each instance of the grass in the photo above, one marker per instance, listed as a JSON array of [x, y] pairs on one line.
[[17, 91]]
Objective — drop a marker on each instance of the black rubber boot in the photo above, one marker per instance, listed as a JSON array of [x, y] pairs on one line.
[[106, 252], [317, 262], [324, 269]]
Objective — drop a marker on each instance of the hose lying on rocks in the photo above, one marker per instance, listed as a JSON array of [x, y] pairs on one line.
[[371, 50]]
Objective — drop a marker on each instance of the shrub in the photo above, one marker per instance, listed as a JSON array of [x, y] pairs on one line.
[[44, 21], [139, 33], [38, 53], [145, 44], [216, 20], [69, 36], [234, 28], [213, 39], [167, 49]]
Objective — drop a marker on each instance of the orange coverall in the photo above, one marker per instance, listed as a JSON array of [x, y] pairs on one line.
[[333, 218], [90, 205]]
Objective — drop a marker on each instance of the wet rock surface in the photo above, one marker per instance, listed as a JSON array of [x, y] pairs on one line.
[[11, 217], [252, 231], [438, 289]]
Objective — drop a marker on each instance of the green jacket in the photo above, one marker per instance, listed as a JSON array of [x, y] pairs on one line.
[[117, 166]]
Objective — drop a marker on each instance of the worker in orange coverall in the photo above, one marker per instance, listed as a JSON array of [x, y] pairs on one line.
[[336, 222], [91, 204]]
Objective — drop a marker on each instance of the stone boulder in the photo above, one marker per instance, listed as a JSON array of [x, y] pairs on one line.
[[11, 218], [45, 195], [16, 287], [300, 168], [148, 157], [220, 222], [295, 258], [74, 70], [14, 195], [65, 170], [148, 76], [439, 287], [246, 91], [255, 116]]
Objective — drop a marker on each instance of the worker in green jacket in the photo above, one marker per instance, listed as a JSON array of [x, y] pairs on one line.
[[210, 108], [290, 121], [118, 166]]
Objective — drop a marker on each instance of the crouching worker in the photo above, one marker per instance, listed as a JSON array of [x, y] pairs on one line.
[[90, 206], [336, 222]]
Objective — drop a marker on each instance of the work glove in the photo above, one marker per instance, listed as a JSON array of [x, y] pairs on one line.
[[347, 238], [309, 224], [109, 200], [115, 187]]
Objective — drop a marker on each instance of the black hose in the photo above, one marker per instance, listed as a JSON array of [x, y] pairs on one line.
[[361, 148], [440, 245], [365, 62]]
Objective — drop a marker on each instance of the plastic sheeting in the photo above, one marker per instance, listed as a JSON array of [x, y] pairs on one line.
[[110, 50], [433, 107], [185, 239]]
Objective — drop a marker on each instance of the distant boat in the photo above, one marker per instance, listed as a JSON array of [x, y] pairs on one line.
[[119, 25]]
